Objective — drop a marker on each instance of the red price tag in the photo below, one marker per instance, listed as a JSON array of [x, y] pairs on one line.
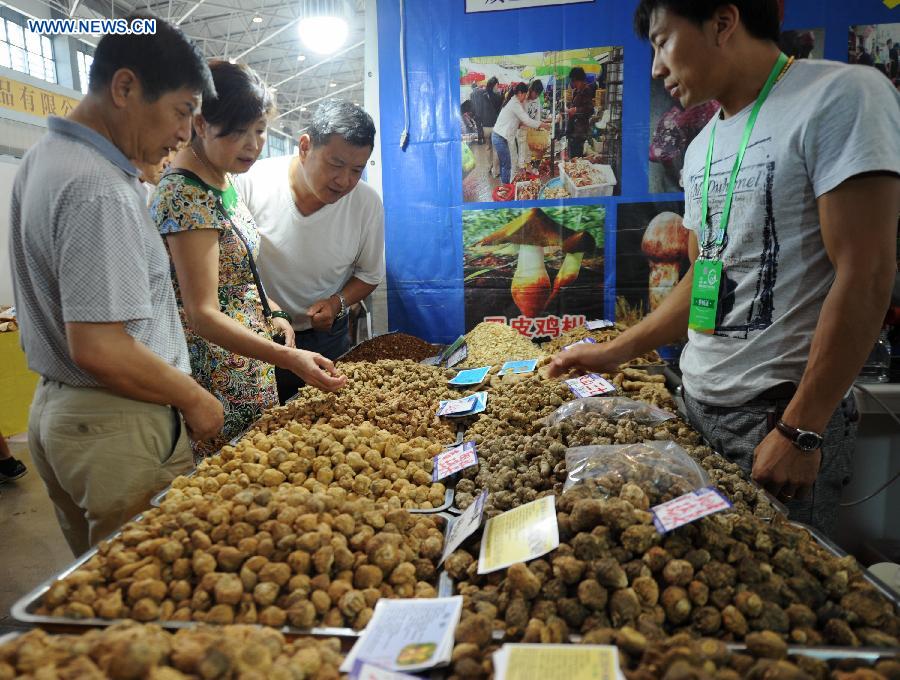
[[688, 508], [453, 460], [590, 385]]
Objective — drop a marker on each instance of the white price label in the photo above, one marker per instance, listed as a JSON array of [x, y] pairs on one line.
[[590, 385], [688, 508], [464, 526], [453, 460]]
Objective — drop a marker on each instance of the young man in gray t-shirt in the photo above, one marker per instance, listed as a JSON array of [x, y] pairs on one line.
[[801, 273], [94, 298]]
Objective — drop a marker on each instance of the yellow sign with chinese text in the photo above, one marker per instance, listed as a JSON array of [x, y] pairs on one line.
[[25, 98]]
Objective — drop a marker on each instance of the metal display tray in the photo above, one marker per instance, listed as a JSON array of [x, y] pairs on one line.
[[25, 608], [892, 596]]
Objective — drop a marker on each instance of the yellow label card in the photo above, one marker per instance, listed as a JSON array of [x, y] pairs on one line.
[[519, 535], [572, 662]]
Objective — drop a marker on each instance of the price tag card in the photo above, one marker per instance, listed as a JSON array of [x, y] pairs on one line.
[[363, 670], [453, 460], [517, 367], [464, 526], [431, 361], [472, 376], [585, 341], [688, 508], [519, 535], [467, 406], [457, 407], [599, 324], [450, 349], [408, 635], [590, 385], [458, 356], [573, 662]]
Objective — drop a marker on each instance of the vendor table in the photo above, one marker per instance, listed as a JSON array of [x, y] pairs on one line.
[[17, 385]]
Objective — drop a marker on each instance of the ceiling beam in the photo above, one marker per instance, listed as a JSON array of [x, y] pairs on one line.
[[316, 101]]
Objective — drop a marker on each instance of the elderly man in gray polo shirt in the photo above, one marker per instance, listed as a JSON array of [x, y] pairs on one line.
[[93, 293]]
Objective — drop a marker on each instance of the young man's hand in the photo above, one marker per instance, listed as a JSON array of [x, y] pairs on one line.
[[585, 358], [322, 314], [784, 470]]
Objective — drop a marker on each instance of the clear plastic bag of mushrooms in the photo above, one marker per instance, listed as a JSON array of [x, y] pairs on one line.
[[656, 472], [613, 408]]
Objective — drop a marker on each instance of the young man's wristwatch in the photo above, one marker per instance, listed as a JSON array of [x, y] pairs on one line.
[[341, 314], [805, 440]]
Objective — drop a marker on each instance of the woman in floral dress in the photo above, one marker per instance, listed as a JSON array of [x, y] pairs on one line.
[[208, 231]]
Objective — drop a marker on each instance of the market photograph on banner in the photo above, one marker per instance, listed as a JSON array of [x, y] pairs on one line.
[[544, 125]]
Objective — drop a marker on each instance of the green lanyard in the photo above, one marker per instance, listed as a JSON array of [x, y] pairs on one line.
[[748, 130]]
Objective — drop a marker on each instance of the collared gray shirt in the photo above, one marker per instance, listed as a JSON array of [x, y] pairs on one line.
[[83, 249]]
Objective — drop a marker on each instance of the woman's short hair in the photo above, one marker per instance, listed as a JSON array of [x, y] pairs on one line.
[[241, 97]]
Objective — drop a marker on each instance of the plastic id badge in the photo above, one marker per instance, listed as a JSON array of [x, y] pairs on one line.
[[705, 296]]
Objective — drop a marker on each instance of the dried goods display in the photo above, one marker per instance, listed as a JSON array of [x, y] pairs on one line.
[[493, 343], [581, 333], [731, 478], [518, 468], [363, 461], [583, 173], [392, 346], [681, 656], [132, 650], [556, 192], [528, 190], [398, 396], [282, 557], [725, 576], [515, 404]]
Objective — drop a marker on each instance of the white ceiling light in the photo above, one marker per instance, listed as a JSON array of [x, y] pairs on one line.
[[301, 57], [257, 20], [323, 25], [332, 84]]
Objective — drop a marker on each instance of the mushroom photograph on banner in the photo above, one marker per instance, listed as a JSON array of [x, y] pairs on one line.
[[543, 125], [539, 270], [651, 256]]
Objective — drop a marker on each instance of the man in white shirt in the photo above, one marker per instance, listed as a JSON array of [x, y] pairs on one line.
[[321, 229]]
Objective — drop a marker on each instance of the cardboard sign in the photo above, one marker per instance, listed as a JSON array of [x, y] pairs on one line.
[[453, 460], [688, 508]]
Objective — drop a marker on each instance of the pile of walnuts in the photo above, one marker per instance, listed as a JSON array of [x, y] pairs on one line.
[[256, 555], [133, 650], [361, 460]]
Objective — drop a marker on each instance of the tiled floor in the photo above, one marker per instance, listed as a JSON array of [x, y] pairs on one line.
[[32, 547]]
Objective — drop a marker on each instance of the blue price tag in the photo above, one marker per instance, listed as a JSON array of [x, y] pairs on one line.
[[472, 376], [518, 367]]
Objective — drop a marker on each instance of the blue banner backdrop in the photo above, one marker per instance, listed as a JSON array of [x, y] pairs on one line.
[[422, 184]]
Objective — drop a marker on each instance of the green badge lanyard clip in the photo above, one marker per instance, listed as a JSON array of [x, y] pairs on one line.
[[708, 270], [748, 130]]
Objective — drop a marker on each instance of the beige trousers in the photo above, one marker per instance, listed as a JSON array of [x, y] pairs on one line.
[[102, 457]]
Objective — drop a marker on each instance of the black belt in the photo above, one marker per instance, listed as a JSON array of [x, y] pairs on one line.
[[784, 391]]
